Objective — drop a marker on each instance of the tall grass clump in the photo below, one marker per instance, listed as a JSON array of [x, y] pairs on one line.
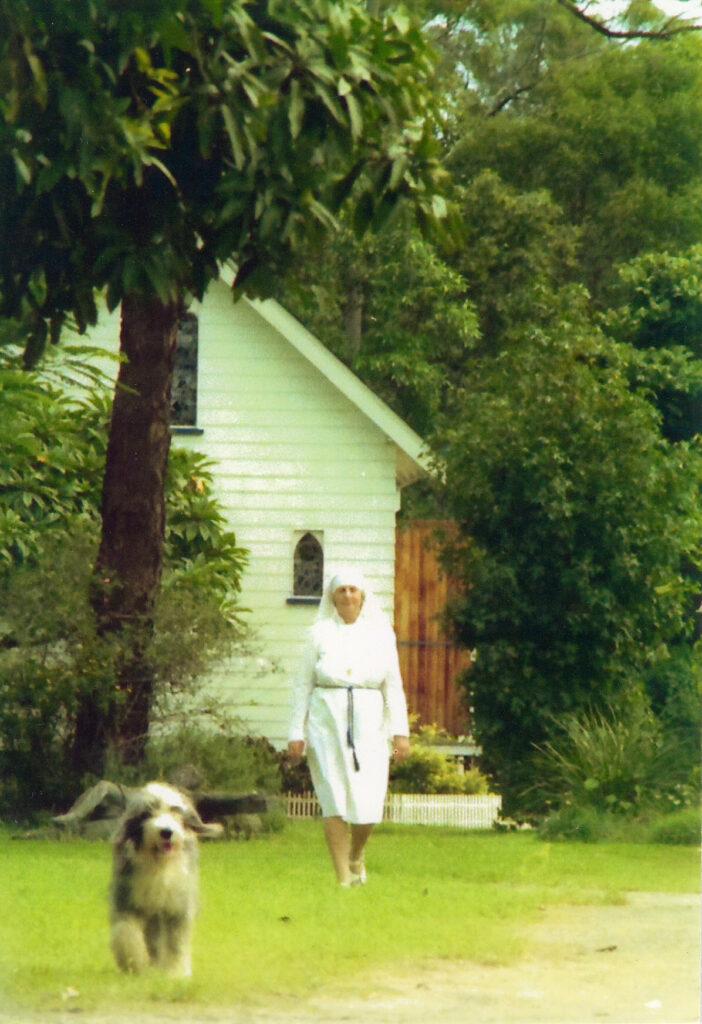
[[606, 767]]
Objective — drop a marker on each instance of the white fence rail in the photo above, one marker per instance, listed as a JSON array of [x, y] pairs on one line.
[[456, 811]]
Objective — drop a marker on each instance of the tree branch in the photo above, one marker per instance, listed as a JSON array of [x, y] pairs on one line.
[[512, 95], [670, 28]]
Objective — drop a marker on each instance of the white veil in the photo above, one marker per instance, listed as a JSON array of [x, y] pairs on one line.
[[371, 609]]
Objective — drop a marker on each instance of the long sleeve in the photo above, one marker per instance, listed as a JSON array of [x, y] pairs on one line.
[[302, 687], [393, 692]]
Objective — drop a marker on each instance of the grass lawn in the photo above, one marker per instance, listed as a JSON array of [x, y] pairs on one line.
[[273, 921]]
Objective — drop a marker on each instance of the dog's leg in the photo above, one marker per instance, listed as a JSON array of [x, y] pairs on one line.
[[128, 945], [176, 948]]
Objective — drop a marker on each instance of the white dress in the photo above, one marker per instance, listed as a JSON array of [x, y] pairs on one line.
[[348, 702]]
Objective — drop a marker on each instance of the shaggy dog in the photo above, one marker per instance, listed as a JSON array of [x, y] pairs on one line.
[[154, 892]]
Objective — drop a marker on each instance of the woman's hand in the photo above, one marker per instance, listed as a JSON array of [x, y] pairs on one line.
[[296, 749], [401, 747]]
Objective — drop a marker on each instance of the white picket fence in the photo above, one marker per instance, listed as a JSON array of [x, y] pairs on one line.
[[452, 810]]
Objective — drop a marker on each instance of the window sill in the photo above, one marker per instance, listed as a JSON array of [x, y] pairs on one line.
[[186, 430], [302, 600]]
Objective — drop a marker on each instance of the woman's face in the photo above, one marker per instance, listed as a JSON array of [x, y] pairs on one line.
[[348, 601]]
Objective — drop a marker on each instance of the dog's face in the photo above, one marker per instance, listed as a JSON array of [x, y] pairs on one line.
[[158, 820]]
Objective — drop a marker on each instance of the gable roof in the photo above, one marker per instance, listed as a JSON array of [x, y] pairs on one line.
[[412, 462]]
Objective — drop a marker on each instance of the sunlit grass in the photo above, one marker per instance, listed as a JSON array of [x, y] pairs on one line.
[[273, 921]]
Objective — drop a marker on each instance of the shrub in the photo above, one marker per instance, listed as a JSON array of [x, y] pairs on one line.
[[428, 770], [585, 824], [574, 518], [682, 828], [614, 760], [215, 757], [589, 824], [295, 778], [225, 758]]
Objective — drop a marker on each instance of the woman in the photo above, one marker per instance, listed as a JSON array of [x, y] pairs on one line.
[[347, 702]]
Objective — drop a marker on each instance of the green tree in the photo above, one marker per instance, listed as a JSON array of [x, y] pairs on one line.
[[142, 148], [576, 524], [659, 311], [52, 660], [617, 145], [394, 311], [518, 260]]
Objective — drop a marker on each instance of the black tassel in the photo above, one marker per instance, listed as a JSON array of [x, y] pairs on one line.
[[349, 731]]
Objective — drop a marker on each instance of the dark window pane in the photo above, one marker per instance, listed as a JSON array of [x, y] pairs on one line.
[[184, 387], [308, 567]]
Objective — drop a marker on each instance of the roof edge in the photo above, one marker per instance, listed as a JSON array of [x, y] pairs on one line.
[[413, 461]]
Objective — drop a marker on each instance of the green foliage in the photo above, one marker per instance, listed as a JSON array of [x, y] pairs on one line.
[[50, 473], [227, 760], [427, 769], [52, 656], [681, 828], [393, 310], [616, 142], [658, 310], [588, 824], [517, 257], [224, 758], [674, 688], [50, 653], [576, 523], [614, 760], [200, 553], [143, 148]]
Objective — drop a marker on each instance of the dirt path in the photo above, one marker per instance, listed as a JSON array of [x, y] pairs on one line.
[[628, 964]]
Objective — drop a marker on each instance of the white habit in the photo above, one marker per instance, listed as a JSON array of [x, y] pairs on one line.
[[349, 677]]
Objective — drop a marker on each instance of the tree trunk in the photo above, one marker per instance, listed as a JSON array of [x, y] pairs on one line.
[[353, 309], [128, 565]]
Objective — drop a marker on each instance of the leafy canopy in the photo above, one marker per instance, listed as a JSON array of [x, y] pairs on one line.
[[143, 146], [578, 525], [51, 653]]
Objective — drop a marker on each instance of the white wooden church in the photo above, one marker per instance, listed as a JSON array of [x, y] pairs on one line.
[[310, 464]]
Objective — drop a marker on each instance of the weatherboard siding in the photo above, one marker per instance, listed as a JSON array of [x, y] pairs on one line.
[[293, 454]]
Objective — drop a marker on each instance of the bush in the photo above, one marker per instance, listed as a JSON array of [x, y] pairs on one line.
[[585, 824], [614, 760], [592, 825], [428, 770], [49, 654], [210, 757], [682, 828], [224, 758], [574, 518], [52, 662]]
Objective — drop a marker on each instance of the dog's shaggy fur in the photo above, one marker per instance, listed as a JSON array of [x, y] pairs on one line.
[[154, 892]]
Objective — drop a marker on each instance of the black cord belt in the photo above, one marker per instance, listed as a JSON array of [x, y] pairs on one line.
[[350, 740], [349, 727]]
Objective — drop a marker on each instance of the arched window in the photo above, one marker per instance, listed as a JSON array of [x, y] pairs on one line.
[[308, 567], [184, 387]]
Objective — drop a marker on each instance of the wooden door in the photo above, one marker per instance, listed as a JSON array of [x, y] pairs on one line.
[[429, 661]]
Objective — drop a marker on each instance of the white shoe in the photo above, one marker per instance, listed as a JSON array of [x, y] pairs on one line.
[[358, 872]]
